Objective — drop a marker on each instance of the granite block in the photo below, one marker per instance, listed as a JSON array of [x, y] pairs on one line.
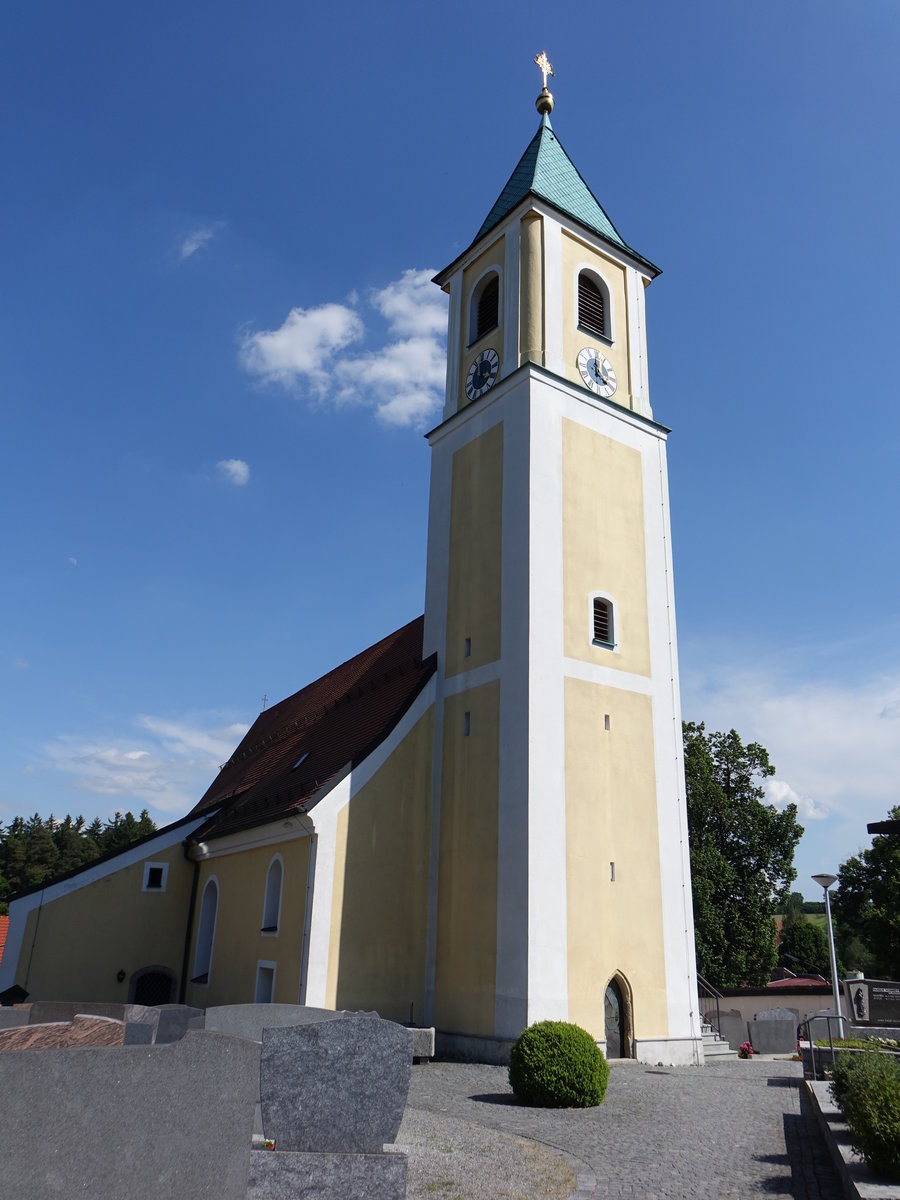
[[777, 1036], [422, 1042], [335, 1085], [249, 1020], [175, 1020], [292, 1176], [134, 1122], [10, 1018], [140, 1033], [82, 1031]]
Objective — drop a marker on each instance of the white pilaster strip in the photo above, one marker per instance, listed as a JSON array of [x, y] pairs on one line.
[[511, 981], [453, 344], [547, 911], [553, 297], [674, 861], [324, 818]]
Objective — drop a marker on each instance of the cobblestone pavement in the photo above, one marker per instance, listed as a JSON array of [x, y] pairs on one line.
[[735, 1129]]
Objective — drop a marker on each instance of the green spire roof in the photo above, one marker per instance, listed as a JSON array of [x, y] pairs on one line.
[[546, 171]]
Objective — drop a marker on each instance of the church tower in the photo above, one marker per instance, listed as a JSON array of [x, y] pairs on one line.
[[560, 879]]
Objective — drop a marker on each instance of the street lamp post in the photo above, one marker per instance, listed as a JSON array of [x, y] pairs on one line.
[[825, 881]]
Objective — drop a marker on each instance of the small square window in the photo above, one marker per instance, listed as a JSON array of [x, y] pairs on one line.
[[155, 876]]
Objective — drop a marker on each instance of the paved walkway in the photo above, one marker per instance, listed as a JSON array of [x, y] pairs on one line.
[[735, 1129]]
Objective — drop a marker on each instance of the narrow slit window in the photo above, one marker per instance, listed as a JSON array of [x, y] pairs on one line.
[[272, 902], [612, 872], [206, 932], [466, 723], [603, 622], [484, 307], [593, 309], [468, 648]]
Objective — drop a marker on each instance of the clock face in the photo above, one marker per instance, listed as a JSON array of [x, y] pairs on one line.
[[482, 373], [596, 371]]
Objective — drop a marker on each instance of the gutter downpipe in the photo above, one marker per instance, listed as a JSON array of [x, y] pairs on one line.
[[194, 852]]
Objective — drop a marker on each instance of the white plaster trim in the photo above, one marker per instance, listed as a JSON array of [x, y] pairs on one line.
[[453, 684], [554, 359], [277, 831], [575, 668], [511, 970], [164, 867], [547, 864], [212, 879], [264, 964], [276, 858], [637, 342], [492, 269], [671, 1052], [511, 303], [590, 268], [454, 318]]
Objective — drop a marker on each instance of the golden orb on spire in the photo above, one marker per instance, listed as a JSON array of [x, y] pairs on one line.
[[544, 102]]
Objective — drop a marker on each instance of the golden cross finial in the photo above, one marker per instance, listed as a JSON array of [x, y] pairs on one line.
[[541, 60]]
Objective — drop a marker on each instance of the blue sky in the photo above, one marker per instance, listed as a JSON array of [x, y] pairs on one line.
[[219, 352]]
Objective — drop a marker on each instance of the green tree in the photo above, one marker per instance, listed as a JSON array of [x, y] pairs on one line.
[[742, 852], [804, 948], [866, 906]]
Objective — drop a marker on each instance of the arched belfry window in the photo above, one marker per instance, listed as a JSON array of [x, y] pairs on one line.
[[593, 304], [206, 932], [272, 902], [603, 621], [484, 307]]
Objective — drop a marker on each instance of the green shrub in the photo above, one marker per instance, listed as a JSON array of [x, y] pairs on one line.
[[867, 1087], [558, 1065]]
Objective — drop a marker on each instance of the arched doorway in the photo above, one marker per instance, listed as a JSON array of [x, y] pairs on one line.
[[152, 985], [617, 1014]]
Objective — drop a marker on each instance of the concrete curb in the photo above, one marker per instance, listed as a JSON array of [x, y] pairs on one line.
[[858, 1181]]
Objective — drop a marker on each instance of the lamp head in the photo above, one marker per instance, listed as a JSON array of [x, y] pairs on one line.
[[825, 881]]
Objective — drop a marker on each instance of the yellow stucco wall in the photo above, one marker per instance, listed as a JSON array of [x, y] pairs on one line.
[[467, 882], [473, 589], [85, 938], [576, 255], [611, 817], [603, 547], [380, 896], [239, 943], [531, 290], [492, 257]]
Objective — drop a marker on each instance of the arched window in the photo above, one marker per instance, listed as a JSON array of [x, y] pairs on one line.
[[593, 304], [206, 932], [603, 621], [272, 902], [484, 307]]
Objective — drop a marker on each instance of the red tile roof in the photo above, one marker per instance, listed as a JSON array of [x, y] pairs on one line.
[[4, 929], [296, 747]]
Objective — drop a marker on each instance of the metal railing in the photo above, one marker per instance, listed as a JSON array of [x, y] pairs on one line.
[[709, 1004], [806, 1027]]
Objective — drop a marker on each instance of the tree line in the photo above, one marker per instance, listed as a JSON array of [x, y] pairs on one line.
[[742, 852], [33, 850]]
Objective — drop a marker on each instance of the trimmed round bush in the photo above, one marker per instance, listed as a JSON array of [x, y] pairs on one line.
[[868, 1090], [558, 1065]]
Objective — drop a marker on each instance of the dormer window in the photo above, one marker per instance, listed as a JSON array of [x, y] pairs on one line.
[[484, 307], [593, 305]]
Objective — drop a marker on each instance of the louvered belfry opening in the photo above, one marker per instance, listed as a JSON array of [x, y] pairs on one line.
[[488, 316], [591, 306], [602, 622]]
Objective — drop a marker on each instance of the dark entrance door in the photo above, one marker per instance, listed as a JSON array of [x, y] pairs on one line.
[[615, 1030], [154, 987]]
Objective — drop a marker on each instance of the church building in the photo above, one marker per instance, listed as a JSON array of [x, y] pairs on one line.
[[479, 822]]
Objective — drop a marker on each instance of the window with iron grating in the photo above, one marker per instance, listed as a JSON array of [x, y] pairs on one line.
[[603, 622], [591, 306], [488, 314]]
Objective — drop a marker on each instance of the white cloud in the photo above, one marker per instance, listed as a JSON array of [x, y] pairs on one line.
[[837, 757], [235, 470], [303, 347], [413, 305], [402, 379], [73, 560], [167, 765], [198, 238]]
